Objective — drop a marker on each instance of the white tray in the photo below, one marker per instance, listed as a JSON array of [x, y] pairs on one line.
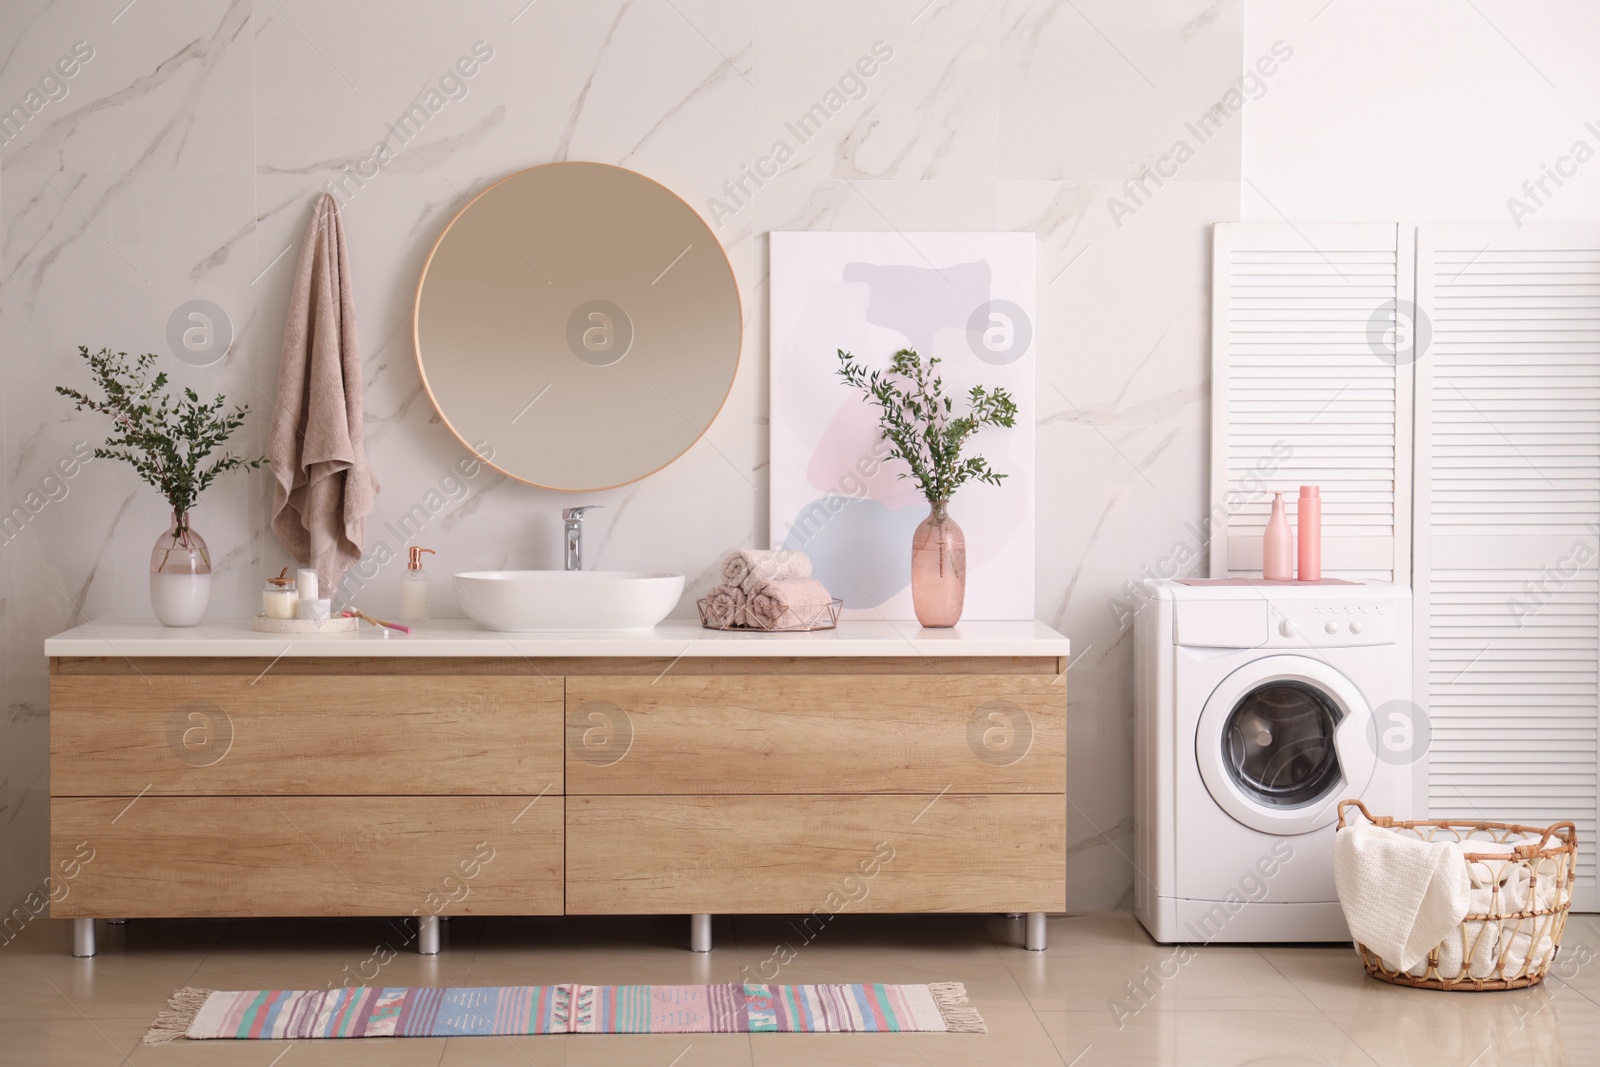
[[304, 627]]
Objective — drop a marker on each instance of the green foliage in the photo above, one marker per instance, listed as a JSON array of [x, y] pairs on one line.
[[920, 422], [166, 439]]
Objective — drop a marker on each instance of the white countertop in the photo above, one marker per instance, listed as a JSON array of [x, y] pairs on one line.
[[133, 638]]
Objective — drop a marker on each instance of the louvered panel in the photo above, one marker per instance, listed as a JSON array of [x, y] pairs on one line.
[[1512, 688], [1508, 497], [1551, 415], [1303, 393]]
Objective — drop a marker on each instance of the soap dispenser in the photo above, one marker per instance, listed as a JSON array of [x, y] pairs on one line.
[[414, 586]]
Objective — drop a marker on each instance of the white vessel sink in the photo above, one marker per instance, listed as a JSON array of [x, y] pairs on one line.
[[568, 601]]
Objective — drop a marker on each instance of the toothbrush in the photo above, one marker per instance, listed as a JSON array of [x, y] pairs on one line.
[[359, 614]]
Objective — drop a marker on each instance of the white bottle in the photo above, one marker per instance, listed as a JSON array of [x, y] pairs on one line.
[[1277, 545], [414, 587]]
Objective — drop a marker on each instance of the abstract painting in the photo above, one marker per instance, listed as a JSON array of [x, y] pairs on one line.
[[965, 298]]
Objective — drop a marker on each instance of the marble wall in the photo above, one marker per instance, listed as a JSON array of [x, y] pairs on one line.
[[180, 159], [1428, 111]]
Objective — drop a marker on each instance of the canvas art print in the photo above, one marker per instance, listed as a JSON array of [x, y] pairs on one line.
[[965, 298]]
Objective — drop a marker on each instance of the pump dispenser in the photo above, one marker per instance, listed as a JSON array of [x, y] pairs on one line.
[[414, 586]]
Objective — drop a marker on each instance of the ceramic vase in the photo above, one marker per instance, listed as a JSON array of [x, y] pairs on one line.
[[180, 574], [938, 568]]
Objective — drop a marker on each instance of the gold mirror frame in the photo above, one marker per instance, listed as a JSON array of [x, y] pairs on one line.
[[595, 292]]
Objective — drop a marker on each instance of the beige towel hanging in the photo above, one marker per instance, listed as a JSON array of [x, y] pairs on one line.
[[325, 488]]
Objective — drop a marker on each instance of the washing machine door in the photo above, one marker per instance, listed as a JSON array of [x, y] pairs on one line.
[[1281, 741]]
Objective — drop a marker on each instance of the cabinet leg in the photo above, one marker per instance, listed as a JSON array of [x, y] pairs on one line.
[[699, 933], [1036, 932], [82, 937], [428, 935]]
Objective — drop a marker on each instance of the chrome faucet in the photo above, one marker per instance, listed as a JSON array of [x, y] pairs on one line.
[[572, 519]]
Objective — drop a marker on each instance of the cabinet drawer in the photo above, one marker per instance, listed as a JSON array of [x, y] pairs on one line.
[[259, 856], [759, 854], [297, 734], [808, 734]]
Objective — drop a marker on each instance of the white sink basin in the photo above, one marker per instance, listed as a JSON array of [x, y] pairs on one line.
[[587, 601]]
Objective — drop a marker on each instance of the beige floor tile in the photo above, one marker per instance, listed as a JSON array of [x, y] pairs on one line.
[[45, 947], [1013, 1038], [1482, 1028], [616, 969], [1142, 978], [272, 935], [1195, 1039], [548, 1051], [88, 993], [601, 1050], [949, 935], [365, 1052], [64, 1042], [597, 931]]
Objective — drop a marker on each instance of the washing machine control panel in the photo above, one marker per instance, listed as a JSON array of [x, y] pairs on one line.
[[1332, 624]]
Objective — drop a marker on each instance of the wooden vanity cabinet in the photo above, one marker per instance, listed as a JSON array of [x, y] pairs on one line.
[[218, 788], [525, 786]]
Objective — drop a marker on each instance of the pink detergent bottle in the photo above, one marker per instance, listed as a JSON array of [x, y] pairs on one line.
[[1309, 519], [1277, 545]]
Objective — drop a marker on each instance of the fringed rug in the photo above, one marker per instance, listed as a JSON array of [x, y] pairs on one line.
[[418, 1011]]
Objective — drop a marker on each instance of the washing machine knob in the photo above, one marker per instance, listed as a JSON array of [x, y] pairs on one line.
[[1356, 627], [1287, 628], [1332, 627]]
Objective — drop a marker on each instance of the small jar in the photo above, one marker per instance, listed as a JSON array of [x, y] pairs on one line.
[[280, 599]]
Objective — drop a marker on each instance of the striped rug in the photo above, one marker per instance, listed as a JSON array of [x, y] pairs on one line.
[[422, 1011]]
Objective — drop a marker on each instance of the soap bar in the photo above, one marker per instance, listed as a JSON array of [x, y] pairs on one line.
[[306, 584], [315, 610]]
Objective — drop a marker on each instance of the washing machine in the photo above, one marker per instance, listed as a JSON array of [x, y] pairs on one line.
[[1259, 706]]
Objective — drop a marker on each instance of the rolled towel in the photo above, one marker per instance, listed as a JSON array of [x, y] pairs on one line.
[[788, 602], [725, 606], [748, 567], [1520, 951], [1483, 945]]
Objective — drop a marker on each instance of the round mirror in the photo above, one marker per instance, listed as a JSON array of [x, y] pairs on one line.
[[578, 326]]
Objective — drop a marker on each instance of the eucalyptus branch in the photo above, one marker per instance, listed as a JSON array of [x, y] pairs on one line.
[[920, 423], [166, 440]]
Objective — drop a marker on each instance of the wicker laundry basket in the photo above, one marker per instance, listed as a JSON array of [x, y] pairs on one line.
[[1512, 943]]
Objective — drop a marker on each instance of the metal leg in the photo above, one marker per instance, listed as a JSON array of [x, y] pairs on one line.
[[1036, 932], [428, 935], [699, 933], [82, 937]]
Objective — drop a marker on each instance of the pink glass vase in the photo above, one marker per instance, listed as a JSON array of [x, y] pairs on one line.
[[938, 568], [180, 575]]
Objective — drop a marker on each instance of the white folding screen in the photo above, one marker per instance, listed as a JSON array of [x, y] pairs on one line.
[[1507, 500], [1307, 390], [1442, 384]]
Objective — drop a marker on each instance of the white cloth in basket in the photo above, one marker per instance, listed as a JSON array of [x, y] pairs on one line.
[[1492, 948], [1401, 895]]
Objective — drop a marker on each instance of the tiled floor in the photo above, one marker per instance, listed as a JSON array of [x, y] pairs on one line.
[[1268, 1006]]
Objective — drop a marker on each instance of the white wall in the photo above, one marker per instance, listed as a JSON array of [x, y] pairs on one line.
[[186, 154], [1425, 110]]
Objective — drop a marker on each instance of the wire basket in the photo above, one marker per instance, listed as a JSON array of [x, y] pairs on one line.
[[822, 618], [1511, 944]]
